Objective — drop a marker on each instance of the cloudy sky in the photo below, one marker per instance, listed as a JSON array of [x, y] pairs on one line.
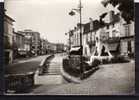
[[50, 17]]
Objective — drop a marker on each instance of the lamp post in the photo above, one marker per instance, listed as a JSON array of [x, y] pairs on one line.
[[79, 10]]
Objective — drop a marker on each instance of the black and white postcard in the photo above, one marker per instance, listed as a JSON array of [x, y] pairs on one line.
[[69, 47]]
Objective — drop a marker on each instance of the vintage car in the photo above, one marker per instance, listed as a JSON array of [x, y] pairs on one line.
[[22, 52]]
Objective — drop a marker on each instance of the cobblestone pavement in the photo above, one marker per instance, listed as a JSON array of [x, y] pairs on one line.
[[24, 65], [110, 79]]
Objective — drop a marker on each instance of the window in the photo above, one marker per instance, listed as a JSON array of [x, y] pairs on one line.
[[107, 26], [126, 30]]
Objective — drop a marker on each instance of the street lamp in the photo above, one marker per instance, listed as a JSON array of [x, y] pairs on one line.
[[72, 13]]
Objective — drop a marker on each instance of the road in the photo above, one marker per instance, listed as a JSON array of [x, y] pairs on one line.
[[24, 65]]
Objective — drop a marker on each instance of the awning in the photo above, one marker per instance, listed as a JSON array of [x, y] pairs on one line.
[[75, 49]]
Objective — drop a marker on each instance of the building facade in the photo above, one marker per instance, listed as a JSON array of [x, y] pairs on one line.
[[34, 40], [59, 47], [8, 39], [74, 37], [19, 44], [43, 47], [127, 41], [51, 48], [121, 34], [89, 33], [110, 32]]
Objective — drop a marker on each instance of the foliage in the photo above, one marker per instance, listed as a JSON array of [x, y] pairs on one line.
[[125, 6], [96, 62], [69, 69]]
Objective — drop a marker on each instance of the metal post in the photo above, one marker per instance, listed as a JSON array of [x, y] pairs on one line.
[[69, 41], [81, 61], [81, 47]]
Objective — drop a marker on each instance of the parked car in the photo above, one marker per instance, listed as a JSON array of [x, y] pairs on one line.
[[22, 52]]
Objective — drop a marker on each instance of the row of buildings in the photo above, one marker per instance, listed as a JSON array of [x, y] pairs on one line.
[[25, 43], [110, 31]]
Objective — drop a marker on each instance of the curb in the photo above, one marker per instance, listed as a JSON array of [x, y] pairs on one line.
[[37, 72], [44, 60], [93, 69], [73, 79], [69, 77]]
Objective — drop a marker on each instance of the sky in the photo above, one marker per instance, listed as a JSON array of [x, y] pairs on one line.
[[50, 17]]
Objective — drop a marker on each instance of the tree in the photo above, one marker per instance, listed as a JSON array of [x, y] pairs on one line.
[[126, 7]]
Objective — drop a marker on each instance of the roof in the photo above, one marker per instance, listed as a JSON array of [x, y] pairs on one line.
[[18, 33], [96, 25], [116, 18], [100, 23], [9, 18]]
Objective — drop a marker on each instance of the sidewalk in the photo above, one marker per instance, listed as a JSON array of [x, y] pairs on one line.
[[112, 79]]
